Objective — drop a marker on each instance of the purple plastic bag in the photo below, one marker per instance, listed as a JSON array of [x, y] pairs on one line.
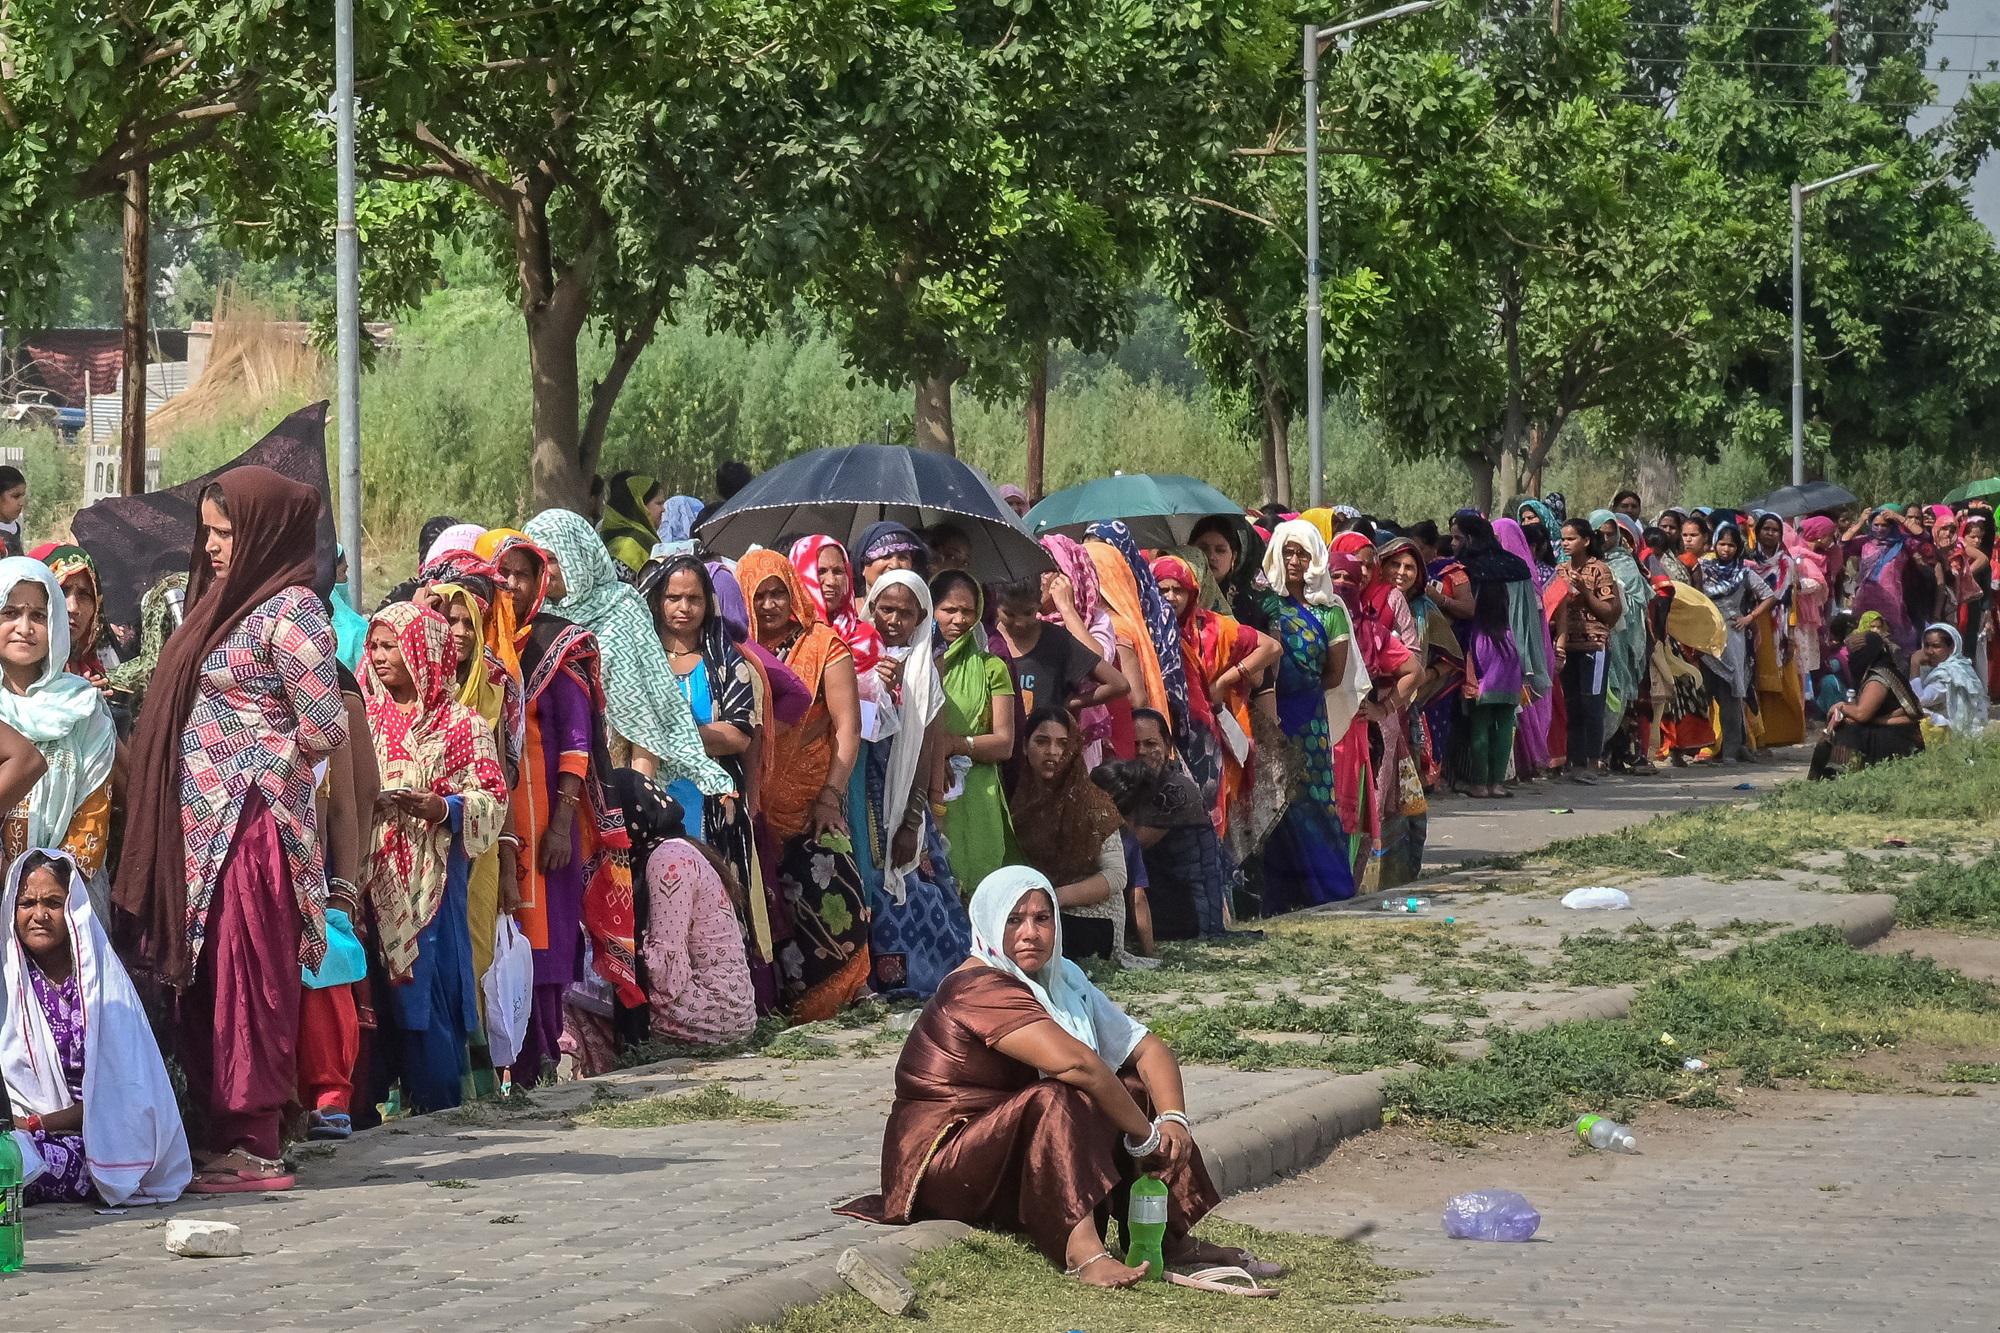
[[1491, 1215]]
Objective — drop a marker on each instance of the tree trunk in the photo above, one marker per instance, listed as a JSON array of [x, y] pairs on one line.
[[1038, 421], [1656, 474], [1277, 442], [561, 478], [1514, 423], [132, 426], [1507, 481], [1537, 455], [932, 427], [1480, 468]]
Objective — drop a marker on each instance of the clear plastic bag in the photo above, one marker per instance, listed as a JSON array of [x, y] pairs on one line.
[[1491, 1215]]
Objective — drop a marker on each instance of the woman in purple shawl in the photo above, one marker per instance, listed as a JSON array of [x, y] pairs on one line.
[[1531, 734]]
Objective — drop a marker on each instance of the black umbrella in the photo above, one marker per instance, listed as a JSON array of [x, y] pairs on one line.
[[840, 491], [1810, 498]]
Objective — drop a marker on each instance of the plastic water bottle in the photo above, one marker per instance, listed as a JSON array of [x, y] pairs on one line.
[[1602, 1132], [1146, 1227], [12, 1174], [1409, 905]]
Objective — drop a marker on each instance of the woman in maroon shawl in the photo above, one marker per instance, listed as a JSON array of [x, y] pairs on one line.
[[1027, 1101], [220, 888]]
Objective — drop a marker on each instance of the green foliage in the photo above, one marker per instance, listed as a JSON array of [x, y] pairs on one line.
[[54, 471], [1948, 893], [1972, 1073], [1780, 1008]]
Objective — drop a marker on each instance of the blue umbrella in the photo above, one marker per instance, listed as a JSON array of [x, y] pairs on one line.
[[1161, 509]]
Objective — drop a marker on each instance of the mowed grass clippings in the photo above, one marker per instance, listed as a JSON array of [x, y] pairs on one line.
[[1000, 1284], [714, 1102], [1796, 1006]]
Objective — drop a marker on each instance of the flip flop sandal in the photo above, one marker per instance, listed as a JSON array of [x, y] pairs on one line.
[[1221, 1281], [330, 1126], [238, 1182]]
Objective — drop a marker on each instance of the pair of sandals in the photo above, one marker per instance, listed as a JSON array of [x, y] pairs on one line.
[[241, 1172], [1238, 1279]]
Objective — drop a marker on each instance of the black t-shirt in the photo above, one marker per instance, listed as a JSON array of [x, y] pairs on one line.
[[1050, 672]]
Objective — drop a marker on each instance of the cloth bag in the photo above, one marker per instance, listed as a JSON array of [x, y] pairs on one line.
[[345, 962], [508, 986]]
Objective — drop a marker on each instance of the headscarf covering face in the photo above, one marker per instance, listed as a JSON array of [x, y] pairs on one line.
[[1059, 985], [852, 627], [1248, 544], [1172, 569], [73, 562], [1061, 822], [1011, 493], [63, 715], [1817, 528], [1076, 566], [478, 691], [757, 568], [494, 547], [923, 696], [651, 816], [276, 525], [1543, 511], [644, 699], [879, 541], [627, 529], [437, 745], [1965, 706], [677, 519], [1318, 583], [138, 1149], [1120, 594], [1160, 622], [1351, 543], [1719, 577]]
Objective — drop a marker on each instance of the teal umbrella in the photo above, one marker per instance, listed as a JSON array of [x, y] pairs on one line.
[[1162, 509], [1975, 490]]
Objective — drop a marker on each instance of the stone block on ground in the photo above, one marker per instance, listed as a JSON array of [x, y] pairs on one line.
[[889, 1291], [193, 1238]]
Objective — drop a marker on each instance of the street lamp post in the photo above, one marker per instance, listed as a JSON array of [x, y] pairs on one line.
[[1801, 193], [1315, 393], [347, 297]]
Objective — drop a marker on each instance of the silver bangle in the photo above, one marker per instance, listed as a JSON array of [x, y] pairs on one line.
[[1147, 1148], [1176, 1117]]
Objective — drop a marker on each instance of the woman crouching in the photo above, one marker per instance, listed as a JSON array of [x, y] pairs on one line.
[[1027, 1101]]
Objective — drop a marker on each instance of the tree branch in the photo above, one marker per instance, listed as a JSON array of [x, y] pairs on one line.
[[1206, 202], [464, 170], [625, 354]]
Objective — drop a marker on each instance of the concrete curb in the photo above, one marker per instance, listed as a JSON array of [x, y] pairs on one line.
[[1245, 1150]]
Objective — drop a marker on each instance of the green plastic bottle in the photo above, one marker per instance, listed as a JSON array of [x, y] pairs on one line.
[[12, 1171], [1146, 1227]]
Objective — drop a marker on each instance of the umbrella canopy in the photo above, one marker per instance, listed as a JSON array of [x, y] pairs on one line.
[[1160, 508], [1813, 496], [1975, 490], [841, 490]]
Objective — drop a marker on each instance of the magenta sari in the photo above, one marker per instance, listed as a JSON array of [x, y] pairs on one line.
[[1531, 734]]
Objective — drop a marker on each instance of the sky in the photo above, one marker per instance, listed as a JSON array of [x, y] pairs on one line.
[[1968, 37]]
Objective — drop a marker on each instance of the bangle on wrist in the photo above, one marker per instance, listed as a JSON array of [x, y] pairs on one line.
[[1148, 1147], [1176, 1117]]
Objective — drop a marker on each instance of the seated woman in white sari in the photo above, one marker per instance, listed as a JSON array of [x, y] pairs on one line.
[[83, 1073]]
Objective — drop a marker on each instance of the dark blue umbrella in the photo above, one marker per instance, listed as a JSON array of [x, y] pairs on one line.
[[840, 491]]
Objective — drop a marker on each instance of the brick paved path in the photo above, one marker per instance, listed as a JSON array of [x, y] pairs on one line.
[[1823, 1211]]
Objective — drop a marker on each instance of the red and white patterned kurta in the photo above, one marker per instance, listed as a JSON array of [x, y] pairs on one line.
[[266, 709]]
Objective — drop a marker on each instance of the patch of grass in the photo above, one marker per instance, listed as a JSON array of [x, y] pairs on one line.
[[1369, 1032], [769, 1028], [1934, 798], [999, 1284], [714, 1102], [1947, 893], [1972, 1073], [1786, 1007], [1638, 953], [805, 1042]]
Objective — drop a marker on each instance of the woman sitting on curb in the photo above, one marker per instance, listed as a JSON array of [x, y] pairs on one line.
[[1027, 1101]]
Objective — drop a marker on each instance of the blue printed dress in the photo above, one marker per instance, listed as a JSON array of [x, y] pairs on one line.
[[1306, 860]]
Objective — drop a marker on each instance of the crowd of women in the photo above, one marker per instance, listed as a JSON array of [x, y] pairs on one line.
[[581, 787]]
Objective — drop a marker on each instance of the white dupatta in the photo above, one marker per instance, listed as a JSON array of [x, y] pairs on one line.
[[133, 1141]]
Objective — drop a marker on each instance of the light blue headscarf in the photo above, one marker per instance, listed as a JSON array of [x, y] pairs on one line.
[[1059, 985], [62, 714], [677, 519], [350, 627]]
